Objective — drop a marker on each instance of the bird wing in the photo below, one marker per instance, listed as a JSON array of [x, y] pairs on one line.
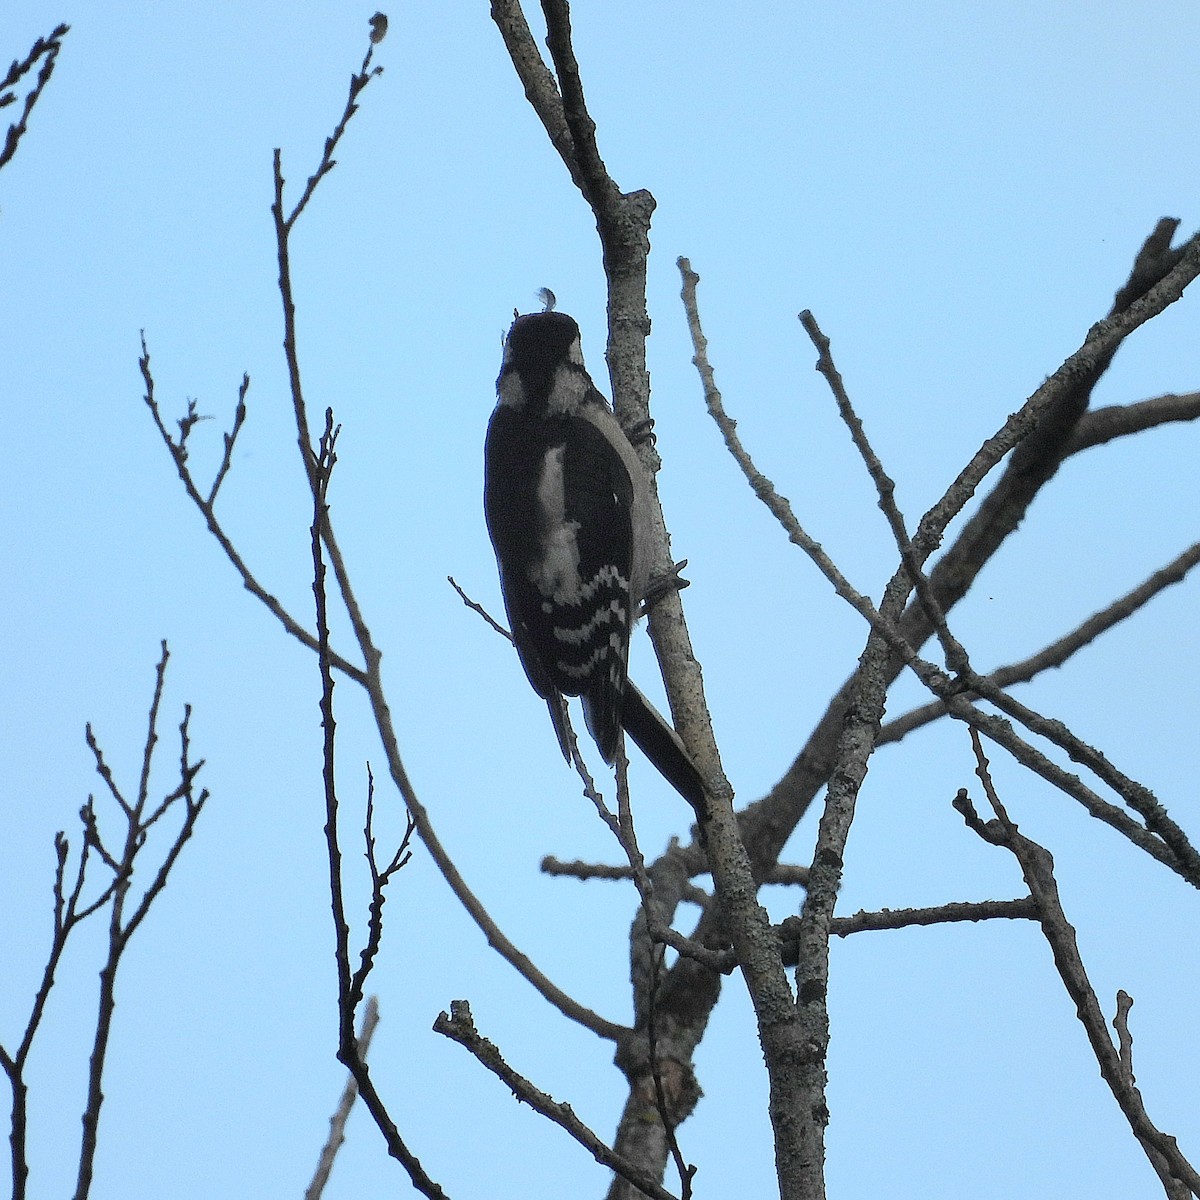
[[557, 495]]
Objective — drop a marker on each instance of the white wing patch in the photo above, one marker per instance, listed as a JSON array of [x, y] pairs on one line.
[[565, 594], [556, 572]]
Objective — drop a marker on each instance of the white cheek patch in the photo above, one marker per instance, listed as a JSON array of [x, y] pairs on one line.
[[510, 390], [569, 388]]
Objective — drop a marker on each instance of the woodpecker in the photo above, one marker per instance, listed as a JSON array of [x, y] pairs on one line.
[[567, 507]]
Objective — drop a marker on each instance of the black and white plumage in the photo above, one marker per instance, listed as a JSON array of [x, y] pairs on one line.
[[566, 502]]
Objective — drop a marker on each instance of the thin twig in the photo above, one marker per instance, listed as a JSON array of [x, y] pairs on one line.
[[956, 656], [239, 418], [459, 1026], [380, 878], [777, 504], [207, 511], [1059, 651], [1178, 1177], [46, 48], [341, 1114], [123, 925], [1136, 795], [192, 807], [687, 1171], [357, 83], [475, 606], [323, 460]]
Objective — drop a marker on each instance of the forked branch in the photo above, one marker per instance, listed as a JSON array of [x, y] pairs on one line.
[[1179, 1178]]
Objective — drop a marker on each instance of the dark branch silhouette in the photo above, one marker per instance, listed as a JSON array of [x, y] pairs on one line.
[[114, 847]]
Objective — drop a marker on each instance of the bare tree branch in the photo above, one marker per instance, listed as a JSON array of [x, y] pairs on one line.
[[768, 822], [350, 984], [369, 678], [1120, 420], [784, 874], [941, 914], [126, 910], [358, 82], [341, 1114], [1059, 651], [1136, 795], [953, 913], [623, 223], [541, 89], [45, 49], [459, 1026], [475, 606], [1178, 1176], [848, 724], [230, 438], [208, 512]]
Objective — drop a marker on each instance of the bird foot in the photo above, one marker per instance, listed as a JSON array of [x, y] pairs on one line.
[[663, 585], [640, 432]]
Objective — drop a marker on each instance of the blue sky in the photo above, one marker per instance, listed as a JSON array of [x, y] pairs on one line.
[[956, 193]]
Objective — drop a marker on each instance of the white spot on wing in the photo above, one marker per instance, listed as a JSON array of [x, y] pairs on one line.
[[613, 612], [556, 573]]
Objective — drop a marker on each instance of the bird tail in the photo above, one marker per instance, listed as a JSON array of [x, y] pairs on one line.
[[663, 747], [558, 714]]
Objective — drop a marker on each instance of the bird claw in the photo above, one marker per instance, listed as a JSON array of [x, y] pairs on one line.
[[641, 431], [660, 587]]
